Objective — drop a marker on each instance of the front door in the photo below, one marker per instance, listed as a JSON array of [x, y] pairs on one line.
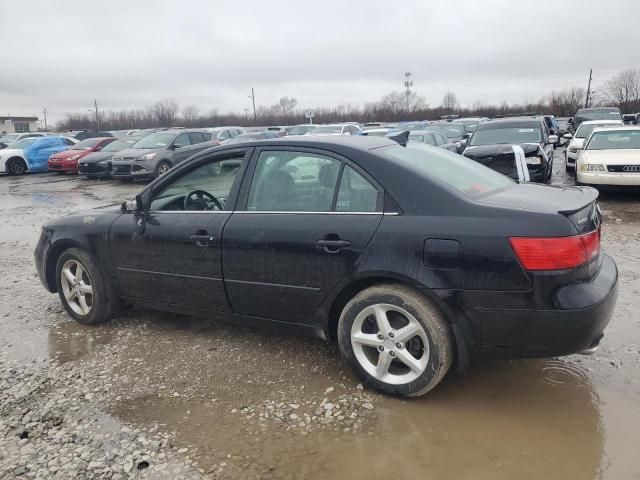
[[302, 225], [172, 253]]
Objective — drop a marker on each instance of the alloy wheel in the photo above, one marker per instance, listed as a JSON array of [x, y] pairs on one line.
[[163, 168], [77, 287], [390, 344]]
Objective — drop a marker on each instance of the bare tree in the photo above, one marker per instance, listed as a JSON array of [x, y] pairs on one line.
[[623, 90], [450, 102], [165, 112], [191, 114], [402, 102], [287, 105]]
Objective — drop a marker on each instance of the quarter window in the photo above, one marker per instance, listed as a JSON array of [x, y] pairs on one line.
[[293, 182], [356, 194]]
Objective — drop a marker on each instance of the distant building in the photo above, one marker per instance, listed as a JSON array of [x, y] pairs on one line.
[[18, 124]]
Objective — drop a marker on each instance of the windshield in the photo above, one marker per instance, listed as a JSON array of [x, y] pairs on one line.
[[585, 130], [328, 129], [120, 145], [615, 140], [87, 144], [9, 138], [24, 143], [599, 115], [155, 140], [301, 130], [465, 175], [509, 135], [449, 130]]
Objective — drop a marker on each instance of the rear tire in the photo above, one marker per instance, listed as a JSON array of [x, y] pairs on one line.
[[84, 292], [409, 355], [16, 166]]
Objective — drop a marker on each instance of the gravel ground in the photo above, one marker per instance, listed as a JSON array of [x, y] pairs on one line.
[[158, 395]]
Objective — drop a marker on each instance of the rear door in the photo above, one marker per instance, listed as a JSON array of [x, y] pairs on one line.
[[304, 218]]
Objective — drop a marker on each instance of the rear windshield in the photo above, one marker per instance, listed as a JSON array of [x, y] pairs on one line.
[[465, 175], [615, 140], [508, 135], [301, 130], [328, 129], [86, 144]]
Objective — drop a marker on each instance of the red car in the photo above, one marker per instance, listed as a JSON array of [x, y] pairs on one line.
[[67, 160]]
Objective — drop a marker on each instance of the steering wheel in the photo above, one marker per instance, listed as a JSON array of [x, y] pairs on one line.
[[200, 202]]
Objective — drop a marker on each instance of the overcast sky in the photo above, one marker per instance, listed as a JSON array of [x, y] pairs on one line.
[[128, 54]]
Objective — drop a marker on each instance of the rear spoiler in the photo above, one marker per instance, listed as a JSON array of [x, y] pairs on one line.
[[590, 195]]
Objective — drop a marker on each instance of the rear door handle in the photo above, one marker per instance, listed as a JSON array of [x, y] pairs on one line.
[[202, 239], [333, 246]]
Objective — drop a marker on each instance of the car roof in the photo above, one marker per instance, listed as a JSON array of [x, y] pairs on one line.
[[602, 122], [621, 127], [361, 142]]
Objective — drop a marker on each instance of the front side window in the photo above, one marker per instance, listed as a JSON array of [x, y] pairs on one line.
[[356, 194], [182, 140], [289, 181], [224, 135], [207, 187]]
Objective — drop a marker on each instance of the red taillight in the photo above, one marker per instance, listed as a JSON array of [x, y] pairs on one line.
[[556, 253]]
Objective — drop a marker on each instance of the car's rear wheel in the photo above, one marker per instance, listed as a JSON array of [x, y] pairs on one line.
[[162, 168], [16, 166], [85, 294], [395, 340]]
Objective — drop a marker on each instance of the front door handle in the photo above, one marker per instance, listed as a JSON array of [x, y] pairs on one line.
[[333, 246], [202, 239]]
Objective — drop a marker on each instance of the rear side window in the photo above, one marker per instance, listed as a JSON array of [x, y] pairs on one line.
[[461, 173], [293, 182], [196, 137], [356, 194]]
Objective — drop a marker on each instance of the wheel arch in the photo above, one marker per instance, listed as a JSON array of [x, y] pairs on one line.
[[338, 301], [54, 253], [16, 157]]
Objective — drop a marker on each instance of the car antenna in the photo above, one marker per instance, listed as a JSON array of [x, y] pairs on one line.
[[402, 138]]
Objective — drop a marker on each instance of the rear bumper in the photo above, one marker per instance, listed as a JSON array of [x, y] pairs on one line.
[[526, 333]]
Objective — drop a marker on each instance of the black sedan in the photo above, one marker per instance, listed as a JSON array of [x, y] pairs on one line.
[[98, 164], [410, 256]]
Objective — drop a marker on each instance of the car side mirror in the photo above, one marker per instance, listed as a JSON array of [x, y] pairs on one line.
[[568, 136], [553, 139], [467, 135], [174, 146]]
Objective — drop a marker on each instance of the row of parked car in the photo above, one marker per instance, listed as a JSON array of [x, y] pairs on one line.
[[520, 147]]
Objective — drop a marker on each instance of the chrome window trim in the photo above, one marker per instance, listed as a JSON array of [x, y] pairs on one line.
[[266, 212]]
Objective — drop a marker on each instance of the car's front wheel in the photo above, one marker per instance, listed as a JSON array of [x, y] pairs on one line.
[[16, 166], [162, 168], [85, 294], [395, 340]]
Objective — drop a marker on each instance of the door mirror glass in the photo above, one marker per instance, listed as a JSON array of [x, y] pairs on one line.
[[293, 182], [567, 136], [553, 139]]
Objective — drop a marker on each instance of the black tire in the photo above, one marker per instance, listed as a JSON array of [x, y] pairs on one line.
[[16, 166], [162, 168], [436, 328], [104, 302]]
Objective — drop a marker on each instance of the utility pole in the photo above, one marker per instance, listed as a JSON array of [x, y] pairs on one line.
[[44, 113], [408, 83], [586, 102], [95, 104], [253, 101]]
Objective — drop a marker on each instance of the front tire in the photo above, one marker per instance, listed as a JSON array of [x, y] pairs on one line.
[[84, 292], [395, 340], [16, 166], [162, 168]]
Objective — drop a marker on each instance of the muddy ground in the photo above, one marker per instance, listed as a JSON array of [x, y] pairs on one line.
[[157, 395]]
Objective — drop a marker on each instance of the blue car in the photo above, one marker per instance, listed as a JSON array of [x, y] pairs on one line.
[[31, 154]]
